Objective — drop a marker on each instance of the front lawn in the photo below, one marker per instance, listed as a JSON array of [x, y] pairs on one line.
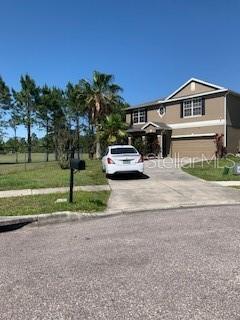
[[213, 170], [39, 204], [47, 175]]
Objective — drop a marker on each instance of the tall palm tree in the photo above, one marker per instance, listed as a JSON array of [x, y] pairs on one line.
[[100, 95], [26, 101]]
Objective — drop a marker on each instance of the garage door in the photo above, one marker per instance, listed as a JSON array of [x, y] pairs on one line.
[[193, 147]]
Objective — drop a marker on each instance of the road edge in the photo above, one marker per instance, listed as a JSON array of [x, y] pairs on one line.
[[69, 216]]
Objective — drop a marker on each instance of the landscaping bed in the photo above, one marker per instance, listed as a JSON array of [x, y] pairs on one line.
[[48, 175], [39, 204], [214, 170]]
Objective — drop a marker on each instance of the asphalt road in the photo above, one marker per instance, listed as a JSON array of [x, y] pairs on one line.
[[174, 264]]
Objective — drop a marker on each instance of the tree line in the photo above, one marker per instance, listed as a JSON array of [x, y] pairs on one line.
[[93, 108]]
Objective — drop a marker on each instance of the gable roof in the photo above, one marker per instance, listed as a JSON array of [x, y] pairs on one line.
[[141, 128], [157, 125], [198, 81], [216, 89]]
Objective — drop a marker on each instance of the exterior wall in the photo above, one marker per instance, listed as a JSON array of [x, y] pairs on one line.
[[214, 110], [233, 139], [128, 118], [233, 110], [233, 123], [199, 130], [197, 147], [199, 88]]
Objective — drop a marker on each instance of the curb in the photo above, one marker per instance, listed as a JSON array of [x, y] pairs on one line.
[[68, 216], [44, 219]]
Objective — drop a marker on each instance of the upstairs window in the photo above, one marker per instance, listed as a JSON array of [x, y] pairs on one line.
[[193, 107], [139, 116]]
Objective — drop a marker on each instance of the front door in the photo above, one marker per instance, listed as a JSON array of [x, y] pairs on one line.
[[152, 146], [164, 145]]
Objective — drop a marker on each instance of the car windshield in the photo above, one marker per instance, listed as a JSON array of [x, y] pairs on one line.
[[123, 150]]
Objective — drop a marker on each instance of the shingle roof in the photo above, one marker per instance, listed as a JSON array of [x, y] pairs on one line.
[[138, 127], [146, 104], [163, 100]]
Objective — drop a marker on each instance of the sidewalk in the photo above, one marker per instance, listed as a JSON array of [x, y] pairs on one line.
[[29, 192], [228, 183]]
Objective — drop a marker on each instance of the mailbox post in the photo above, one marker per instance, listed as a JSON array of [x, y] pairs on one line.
[[71, 185], [77, 165]]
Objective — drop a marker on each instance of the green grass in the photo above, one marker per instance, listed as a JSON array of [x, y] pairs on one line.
[[213, 170], [46, 175], [39, 204]]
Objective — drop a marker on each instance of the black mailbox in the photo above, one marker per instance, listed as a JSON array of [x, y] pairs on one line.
[[77, 164]]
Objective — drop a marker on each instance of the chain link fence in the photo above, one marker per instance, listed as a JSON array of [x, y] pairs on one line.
[[10, 156]]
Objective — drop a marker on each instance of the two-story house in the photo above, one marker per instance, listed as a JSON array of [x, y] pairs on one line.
[[185, 123]]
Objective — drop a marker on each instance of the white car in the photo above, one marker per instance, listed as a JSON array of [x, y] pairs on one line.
[[122, 159]]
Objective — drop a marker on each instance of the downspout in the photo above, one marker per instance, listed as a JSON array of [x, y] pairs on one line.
[[225, 120]]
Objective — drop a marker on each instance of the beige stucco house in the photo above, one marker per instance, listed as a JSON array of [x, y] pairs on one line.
[[185, 123]]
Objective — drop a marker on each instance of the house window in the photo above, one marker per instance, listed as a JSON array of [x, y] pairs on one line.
[[192, 107], [139, 116], [162, 111]]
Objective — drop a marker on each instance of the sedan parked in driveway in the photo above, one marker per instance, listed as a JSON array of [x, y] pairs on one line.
[[122, 159]]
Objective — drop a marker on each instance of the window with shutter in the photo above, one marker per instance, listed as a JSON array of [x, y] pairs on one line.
[[139, 116], [193, 107]]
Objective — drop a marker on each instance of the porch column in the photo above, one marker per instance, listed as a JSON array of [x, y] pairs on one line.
[[144, 151], [159, 136], [129, 140]]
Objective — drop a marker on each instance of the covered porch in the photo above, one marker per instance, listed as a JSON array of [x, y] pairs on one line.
[[154, 138]]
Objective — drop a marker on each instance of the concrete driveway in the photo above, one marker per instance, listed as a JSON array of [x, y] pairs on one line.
[[165, 185]]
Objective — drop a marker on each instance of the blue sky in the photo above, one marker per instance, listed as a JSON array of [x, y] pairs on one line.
[[151, 46]]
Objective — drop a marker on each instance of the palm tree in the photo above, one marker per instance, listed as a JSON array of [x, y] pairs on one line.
[[113, 129], [100, 95], [26, 101]]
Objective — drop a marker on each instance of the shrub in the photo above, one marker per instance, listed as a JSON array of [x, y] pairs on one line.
[[140, 145]]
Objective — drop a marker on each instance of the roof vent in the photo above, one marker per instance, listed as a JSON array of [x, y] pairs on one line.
[[193, 86]]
